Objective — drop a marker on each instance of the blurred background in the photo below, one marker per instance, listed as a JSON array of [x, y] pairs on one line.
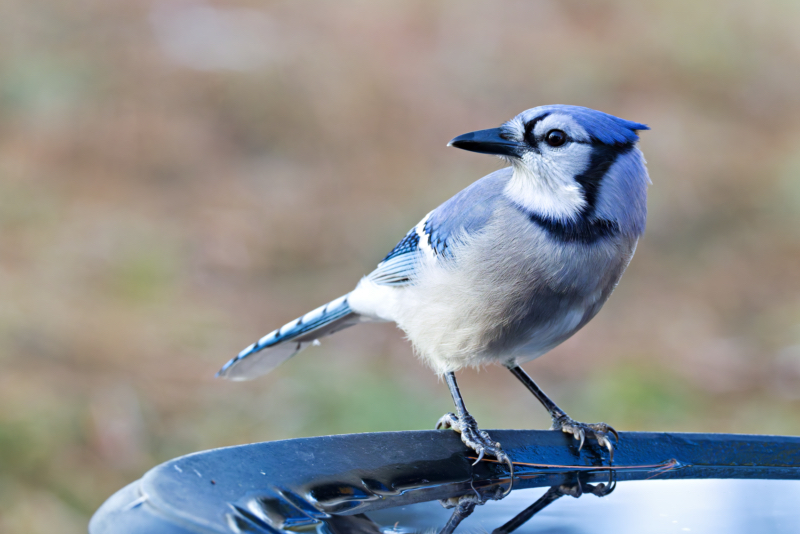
[[178, 178]]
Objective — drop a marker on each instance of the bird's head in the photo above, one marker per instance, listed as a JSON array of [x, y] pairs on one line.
[[570, 163]]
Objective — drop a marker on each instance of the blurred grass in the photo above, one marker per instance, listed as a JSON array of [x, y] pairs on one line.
[[178, 178]]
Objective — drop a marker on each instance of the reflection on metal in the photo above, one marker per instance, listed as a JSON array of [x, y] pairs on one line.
[[575, 489], [464, 505], [334, 483]]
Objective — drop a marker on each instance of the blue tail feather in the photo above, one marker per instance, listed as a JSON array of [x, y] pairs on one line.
[[283, 343]]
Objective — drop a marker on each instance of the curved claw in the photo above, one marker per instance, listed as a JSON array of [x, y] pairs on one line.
[[604, 441], [477, 440], [511, 474], [605, 488], [601, 432]]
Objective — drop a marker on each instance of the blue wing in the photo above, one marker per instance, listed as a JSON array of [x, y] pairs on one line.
[[465, 213], [398, 267]]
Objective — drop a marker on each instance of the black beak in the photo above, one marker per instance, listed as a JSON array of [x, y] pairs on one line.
[[488, 142]]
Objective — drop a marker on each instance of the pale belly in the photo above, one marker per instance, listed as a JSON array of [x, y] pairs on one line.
[[501, 303]]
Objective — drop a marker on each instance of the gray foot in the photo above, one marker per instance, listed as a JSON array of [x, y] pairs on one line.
[[476, 439], [464, 505], [463, 508], [578, 488], [601, 432]]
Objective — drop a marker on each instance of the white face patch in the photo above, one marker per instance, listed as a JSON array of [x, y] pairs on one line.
[[544, 181]]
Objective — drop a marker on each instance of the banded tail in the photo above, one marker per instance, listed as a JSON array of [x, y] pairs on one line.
[[276, 347]]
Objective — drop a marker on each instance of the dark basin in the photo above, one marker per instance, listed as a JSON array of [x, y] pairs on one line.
[[393, 482]]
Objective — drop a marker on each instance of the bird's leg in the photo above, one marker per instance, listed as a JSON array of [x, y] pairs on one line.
[[552, 495], [473, 437], [462, 509], [464, 505], [563, 422], [575, 489]]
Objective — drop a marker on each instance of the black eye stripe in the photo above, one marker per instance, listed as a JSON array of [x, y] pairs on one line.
[[530, 126], [533, 142]]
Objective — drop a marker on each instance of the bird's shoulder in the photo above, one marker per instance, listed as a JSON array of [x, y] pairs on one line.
[[465, 213]]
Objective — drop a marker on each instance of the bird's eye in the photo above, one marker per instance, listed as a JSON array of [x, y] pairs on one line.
[[555, 138]]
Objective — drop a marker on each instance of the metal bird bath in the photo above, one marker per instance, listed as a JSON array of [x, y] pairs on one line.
[[393, 483]]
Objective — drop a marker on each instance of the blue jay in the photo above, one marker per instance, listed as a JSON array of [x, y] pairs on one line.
[[505, 270]]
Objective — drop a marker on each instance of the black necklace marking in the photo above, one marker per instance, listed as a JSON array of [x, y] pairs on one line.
[[580, 231], [602, 158], [586, 228]]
